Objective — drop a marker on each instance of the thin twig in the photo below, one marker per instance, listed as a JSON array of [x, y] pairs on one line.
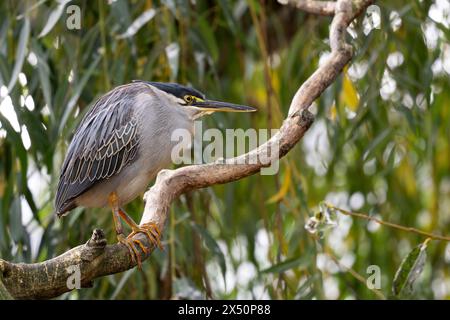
[[390, 224], [355, 274]]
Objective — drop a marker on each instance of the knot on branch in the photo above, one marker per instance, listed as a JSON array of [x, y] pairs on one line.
[[94, 246], [306, 119], [5, 267], [97, 239]]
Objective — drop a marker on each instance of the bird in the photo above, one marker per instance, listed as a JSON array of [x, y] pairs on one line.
[[121, 144]]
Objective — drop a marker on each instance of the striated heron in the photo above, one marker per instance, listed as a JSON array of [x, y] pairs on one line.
[[122, 143]]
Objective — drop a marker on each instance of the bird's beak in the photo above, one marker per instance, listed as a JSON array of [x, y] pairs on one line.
[[219, 106]]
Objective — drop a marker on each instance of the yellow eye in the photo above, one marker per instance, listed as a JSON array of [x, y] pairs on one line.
[[189, 99]]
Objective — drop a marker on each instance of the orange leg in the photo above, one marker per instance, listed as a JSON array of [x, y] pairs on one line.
[[149, 229], [129, 243]]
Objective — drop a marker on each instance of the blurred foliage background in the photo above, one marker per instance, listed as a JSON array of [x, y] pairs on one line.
[[380, 143]]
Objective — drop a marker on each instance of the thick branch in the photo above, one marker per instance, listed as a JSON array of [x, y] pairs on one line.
[[324, 8], [95, 258]]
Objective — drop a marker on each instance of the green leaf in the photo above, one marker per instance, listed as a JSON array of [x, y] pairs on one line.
[[53, 17], [15, 220], [227, 12], [122, 282], [3, 50], [303, 291], [44, 75], [21, 52], [212, 245], [409, 270], [299, 263], [207, 37], [138, 23], [376, 144], [77, 92]]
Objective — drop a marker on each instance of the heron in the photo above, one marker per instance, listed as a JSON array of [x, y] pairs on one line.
[[121, 144]]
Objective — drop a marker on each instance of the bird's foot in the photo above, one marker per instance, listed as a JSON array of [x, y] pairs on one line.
[[134, 253], [152, 232]]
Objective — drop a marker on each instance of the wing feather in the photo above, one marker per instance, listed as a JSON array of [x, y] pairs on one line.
[[104, 143]]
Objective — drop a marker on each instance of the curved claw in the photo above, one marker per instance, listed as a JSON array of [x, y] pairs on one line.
[[134, 253], [141, 245], [152, 232]]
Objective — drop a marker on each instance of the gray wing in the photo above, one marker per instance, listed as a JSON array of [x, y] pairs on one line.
[[104, 143]]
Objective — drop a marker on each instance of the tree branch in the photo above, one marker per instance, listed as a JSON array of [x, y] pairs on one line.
[[96, 259], [324, 8]]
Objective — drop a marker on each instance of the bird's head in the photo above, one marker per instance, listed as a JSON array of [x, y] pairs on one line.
[[194, 101]]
